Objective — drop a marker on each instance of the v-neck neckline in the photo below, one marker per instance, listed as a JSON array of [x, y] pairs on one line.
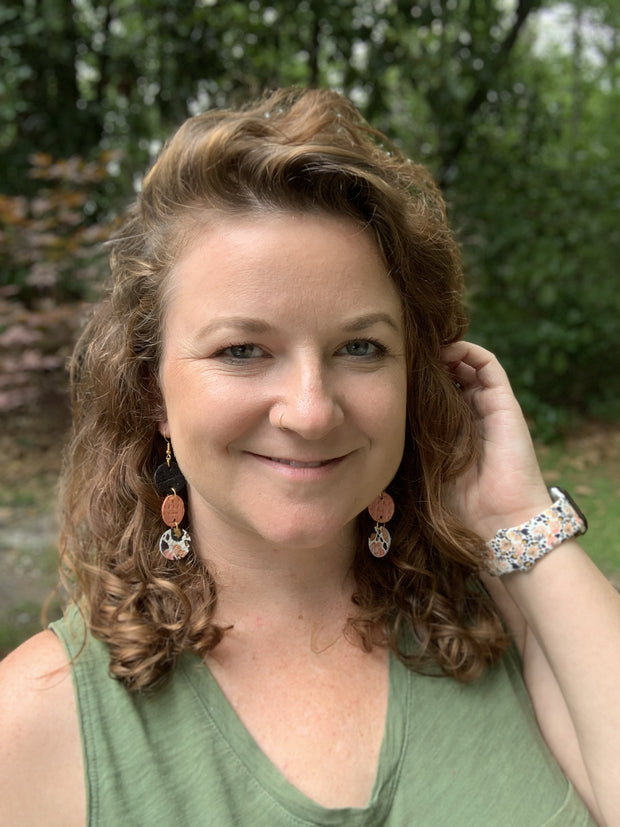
[[263, 770]]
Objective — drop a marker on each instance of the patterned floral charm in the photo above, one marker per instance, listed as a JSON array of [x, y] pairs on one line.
[[175, 543], [379, 541]]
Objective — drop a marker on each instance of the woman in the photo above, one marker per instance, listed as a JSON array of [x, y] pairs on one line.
[[282, 347]]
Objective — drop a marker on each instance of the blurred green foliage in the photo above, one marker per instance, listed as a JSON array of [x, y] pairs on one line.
[[522, 137]]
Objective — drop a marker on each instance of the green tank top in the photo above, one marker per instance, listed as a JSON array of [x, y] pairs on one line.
[[452, 754]]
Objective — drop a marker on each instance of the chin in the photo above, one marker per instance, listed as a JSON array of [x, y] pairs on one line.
[[299, 538]]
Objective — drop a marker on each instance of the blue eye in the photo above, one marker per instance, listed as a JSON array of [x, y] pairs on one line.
[[243, 351], [363, 348]]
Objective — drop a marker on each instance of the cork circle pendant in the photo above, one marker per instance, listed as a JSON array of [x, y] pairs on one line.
[[382, 509]]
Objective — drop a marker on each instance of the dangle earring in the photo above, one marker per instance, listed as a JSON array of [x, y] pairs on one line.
[[175, 542], [381, 510]]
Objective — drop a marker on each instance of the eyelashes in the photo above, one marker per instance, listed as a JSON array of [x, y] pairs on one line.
[[242, 353], [364, 349], [357, 349]]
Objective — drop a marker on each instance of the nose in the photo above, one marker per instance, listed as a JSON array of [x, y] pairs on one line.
[[308, 401]]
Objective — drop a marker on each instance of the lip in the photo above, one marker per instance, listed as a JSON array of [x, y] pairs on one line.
[[294, 466], [296, 463]]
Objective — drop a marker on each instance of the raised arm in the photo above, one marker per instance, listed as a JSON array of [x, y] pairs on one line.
[[563, 611]]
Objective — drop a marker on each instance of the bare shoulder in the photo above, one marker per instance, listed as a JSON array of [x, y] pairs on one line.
[[41, 771]]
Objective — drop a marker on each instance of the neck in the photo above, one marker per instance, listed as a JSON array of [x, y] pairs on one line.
[[261, 586]]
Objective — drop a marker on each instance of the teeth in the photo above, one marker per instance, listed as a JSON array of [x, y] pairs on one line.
[[294, 464]]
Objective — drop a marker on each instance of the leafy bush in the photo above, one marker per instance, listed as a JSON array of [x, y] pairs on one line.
[[54, 261], [52, 241], [542, 246]]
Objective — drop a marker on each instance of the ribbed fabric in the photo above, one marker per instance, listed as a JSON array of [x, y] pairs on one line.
[[452, 755]]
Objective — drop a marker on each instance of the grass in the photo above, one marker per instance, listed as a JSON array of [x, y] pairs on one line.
[[589, 468], [30, 577], [21, 621]]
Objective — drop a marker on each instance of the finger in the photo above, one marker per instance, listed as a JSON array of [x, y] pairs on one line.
[[472, 364], [464, 374]]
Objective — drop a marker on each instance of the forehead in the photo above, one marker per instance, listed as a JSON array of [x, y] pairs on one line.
[[313, 259]]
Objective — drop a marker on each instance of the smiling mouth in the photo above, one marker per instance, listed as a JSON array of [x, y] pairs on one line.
[[292, 463]]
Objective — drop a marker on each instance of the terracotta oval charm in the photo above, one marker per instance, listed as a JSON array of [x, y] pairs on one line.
[[172, 510], [382, 509], [379, 541]]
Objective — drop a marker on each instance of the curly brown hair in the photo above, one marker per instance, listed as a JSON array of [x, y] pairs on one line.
[[297, 150]]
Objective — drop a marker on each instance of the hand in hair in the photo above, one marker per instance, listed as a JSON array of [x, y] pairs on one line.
[[505, 487]]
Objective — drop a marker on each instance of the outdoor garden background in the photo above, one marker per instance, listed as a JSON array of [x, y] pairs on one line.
[[513, 104]]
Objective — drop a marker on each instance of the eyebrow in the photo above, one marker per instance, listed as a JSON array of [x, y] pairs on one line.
[[248, 324], [370, 319]]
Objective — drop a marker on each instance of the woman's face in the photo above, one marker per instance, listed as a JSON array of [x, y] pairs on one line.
[[284, 378]]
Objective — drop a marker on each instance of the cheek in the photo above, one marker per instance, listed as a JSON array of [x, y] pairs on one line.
[[382, 413], [186, 386], [203, 407], [386, 399]]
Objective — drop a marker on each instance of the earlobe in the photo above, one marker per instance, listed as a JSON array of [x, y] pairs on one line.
[[158, 406], [164, 430]]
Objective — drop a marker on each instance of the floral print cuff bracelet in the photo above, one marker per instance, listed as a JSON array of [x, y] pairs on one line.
[[518, 548]]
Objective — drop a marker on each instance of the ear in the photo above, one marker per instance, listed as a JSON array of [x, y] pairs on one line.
[[163, 428], [159, 408], [162, 417]]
